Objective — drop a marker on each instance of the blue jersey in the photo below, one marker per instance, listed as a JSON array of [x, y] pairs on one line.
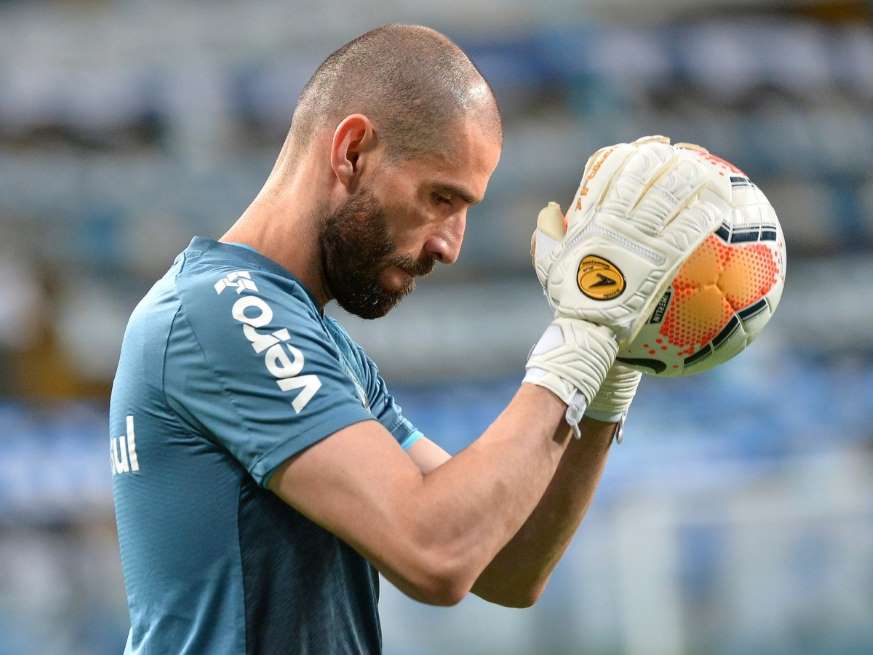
[[227, 369]]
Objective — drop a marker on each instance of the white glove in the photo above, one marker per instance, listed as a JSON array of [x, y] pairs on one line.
[[641, 209], [571, 360], [614, 397]]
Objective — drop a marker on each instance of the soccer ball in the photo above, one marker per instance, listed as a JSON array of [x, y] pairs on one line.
[[723, 294]]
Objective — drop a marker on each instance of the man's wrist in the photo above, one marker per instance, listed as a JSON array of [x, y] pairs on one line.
[[550, 407], [597, 438]]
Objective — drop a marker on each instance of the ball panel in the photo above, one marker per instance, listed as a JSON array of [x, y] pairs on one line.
[[702, 267], [696, 316], [775, 294], [755, 317], [749, 274], [731, 345]]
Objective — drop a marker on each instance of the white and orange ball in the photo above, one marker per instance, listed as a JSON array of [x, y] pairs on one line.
[[723, 294]]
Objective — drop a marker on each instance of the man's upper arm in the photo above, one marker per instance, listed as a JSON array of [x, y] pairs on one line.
[[360, 485], [251, 367]]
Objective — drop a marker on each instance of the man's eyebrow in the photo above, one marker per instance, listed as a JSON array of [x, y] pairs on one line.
[[460, 192]]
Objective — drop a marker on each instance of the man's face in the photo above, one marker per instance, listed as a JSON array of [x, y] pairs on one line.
[[356, 249], [403, 218]]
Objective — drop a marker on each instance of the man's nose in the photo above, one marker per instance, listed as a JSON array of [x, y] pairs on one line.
[[445, 243]]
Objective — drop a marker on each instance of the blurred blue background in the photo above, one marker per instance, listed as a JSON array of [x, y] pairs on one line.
[[737, 516]]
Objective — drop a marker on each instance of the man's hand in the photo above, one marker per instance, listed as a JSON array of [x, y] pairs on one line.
[[640, 210]]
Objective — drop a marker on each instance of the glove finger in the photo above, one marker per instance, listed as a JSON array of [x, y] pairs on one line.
[[691, 146], [600, 170], [675, 188], [546, 239], [702, 213], [697, 221], [649, 161], [653, 138], [551, 222]]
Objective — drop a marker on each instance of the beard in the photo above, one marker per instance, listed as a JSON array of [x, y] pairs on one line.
[[355, 249]]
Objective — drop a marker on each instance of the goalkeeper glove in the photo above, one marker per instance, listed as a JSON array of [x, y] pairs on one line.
[[640, 210]]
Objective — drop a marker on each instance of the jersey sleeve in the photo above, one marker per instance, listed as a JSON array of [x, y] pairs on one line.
[[382, 403], [249, 363]]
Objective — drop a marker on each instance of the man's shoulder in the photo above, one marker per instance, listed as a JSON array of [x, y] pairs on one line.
[[339, 332], [215, 278], [209, 291], [347, 344]]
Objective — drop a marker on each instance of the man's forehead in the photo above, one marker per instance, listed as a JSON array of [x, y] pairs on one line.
[[469, 142], [463, 170]]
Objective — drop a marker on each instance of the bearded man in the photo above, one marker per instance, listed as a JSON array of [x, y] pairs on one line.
[[263, 475]]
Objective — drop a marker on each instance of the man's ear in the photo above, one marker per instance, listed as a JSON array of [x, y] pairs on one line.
[[353, 138]]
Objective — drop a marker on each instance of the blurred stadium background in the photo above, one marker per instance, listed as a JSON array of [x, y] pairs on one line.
[[737, 517]]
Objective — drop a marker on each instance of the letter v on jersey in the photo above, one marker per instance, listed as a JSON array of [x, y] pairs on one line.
[[282, 360]]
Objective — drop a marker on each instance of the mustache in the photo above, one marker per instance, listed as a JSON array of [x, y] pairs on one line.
[[414, 267]]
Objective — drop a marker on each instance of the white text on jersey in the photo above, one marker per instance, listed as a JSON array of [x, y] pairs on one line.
[[122, 451], [282, 360]]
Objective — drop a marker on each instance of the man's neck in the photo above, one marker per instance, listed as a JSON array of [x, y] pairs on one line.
[[287, 237]]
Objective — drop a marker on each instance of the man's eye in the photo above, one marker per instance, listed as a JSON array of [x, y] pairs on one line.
[[440, 199]]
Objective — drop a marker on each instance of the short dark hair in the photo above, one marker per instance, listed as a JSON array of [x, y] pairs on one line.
[[411, 81]]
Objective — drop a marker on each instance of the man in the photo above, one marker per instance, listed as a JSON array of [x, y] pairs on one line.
[[263, 473]]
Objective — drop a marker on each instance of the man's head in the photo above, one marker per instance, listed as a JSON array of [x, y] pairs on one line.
[[409, 132]]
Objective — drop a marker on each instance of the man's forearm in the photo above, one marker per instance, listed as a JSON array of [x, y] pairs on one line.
[[519, 572], [476, 501], [432, 534]]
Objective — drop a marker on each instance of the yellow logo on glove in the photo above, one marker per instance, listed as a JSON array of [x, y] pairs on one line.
[[599, 278]]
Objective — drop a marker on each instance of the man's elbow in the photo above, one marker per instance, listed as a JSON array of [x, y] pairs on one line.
[[435, 590], [447, 586], [444, 594], [444, 584], [437, 576], [438, 582]]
